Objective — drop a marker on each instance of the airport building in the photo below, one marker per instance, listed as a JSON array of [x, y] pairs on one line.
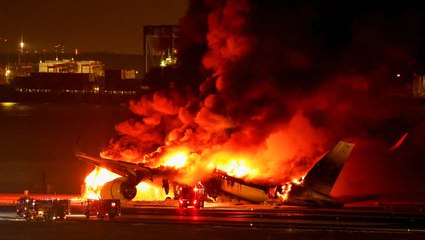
[[67, 80], [94, 68]]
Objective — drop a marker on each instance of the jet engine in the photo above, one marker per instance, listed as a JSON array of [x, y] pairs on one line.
[[120, 189]]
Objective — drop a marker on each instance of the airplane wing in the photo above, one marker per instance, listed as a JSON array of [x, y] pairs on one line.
[[134, 172]]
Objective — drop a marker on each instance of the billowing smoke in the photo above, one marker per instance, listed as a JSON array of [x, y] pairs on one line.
[[278, 83]]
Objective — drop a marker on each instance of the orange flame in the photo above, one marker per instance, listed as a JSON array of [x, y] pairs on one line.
[[240, 166], [146, 191], [285, 191], [95, 180], [178, 159], [237, 168], [287, 187], [151, 192]]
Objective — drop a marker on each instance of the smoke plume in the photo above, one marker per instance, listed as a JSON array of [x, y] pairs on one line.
[[278, 83]]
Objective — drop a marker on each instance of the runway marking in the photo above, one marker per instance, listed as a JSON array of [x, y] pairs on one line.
[[12, 219]]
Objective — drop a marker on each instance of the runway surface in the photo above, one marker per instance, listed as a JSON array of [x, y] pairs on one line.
[[163, 220]]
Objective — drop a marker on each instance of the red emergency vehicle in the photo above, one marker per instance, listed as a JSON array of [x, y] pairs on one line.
[[102, 208], [191, 196], [42, 209]]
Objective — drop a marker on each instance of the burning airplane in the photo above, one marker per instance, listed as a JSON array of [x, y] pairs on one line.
[[313, 190], [258, 100]]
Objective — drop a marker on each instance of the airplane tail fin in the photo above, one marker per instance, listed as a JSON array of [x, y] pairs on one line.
[[322, 176]]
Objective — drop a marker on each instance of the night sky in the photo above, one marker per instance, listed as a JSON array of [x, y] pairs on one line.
[[91, 26]]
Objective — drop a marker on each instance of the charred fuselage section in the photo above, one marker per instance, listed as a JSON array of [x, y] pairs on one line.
[[312, 190]]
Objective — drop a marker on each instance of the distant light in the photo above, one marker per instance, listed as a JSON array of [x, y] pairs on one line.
[[398, 75], [21, 44], [163, 63], [7, 104]]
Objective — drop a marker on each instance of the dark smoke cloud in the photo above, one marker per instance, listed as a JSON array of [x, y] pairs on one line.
[[281, 81]]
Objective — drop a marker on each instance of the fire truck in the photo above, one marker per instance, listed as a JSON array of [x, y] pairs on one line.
[[101, 208], [42, 209], [191, 196]]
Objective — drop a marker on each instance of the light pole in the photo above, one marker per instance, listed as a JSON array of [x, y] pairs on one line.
[[3, 41], [20, 56], [7, 71]]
